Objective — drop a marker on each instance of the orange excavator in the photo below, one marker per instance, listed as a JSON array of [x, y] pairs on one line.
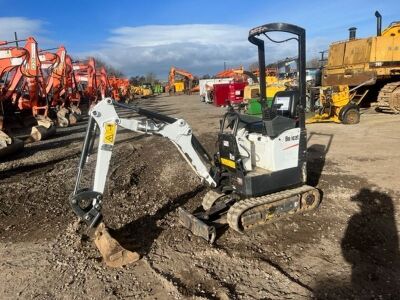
[[59, 86], [93, 83], [184, 84], [84, 75], [103, 84], [238, 74], [24, 101], [120, 87], [71, 91]]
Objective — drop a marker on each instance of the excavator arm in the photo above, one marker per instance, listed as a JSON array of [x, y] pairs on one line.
[[184, 73], [105, 118], [87, 202]]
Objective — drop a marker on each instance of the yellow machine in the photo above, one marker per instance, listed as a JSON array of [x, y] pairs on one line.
[[252, 93], [339, 104], [179, 86], [373, 62], [143, 90], [253, 90], [146, 90]]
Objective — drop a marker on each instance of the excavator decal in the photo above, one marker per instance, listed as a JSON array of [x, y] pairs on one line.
[[109, 135]]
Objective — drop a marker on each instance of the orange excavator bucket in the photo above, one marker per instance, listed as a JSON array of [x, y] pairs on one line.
[[114, 255]]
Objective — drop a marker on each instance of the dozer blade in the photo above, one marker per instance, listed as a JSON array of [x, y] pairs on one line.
[[196, 226], [113, 253]]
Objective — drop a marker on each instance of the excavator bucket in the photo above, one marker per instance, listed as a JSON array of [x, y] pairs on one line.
[[44, 129], [62, 119], [113, 253], [75, 115], [9, 145]]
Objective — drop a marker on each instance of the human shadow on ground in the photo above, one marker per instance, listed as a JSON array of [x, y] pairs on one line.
[[316, 158], [371, 245]]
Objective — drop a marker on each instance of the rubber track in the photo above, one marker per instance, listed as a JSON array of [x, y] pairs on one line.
[[209, 198], [237, 210]]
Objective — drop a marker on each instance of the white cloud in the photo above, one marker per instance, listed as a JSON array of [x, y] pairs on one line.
[[157, 35], [198, 48], [23, 26]]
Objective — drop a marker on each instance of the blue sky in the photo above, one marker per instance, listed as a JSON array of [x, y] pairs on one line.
[[150, 36]]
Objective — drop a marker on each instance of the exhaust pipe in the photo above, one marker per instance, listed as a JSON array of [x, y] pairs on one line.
[[378, 23], [352, 33]]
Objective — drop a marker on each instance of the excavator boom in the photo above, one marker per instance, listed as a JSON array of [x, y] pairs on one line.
[[104, 117]]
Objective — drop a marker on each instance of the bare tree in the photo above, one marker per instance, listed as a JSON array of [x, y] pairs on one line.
[[137, 80], [150, 77], [253, 66], [313, 63], [111, 71]]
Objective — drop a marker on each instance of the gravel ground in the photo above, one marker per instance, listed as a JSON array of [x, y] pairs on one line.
[[348, 248]]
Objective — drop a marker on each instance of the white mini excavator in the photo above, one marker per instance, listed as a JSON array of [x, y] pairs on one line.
[[257, 175]]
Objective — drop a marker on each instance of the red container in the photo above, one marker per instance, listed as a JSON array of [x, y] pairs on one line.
[[221, 94], [225, 93]]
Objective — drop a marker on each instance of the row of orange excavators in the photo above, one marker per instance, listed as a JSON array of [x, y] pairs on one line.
[[41, 89]]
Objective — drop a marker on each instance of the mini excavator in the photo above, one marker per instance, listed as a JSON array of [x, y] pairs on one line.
[[258, 174]]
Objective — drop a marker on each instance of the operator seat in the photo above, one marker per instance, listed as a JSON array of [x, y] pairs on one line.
[[282, 115], [251, 123]]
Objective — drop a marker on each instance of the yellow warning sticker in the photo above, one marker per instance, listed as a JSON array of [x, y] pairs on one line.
[[109, 133], [228, 162]]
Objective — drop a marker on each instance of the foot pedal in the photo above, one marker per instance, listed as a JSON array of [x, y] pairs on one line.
[[196, 226]]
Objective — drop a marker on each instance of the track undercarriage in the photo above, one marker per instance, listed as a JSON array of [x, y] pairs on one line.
[[389, 98], [243, 214]]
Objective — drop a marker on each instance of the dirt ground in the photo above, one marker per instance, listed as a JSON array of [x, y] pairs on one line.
[[347, 249]]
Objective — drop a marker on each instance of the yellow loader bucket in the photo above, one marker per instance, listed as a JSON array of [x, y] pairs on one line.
[[114, 255]]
